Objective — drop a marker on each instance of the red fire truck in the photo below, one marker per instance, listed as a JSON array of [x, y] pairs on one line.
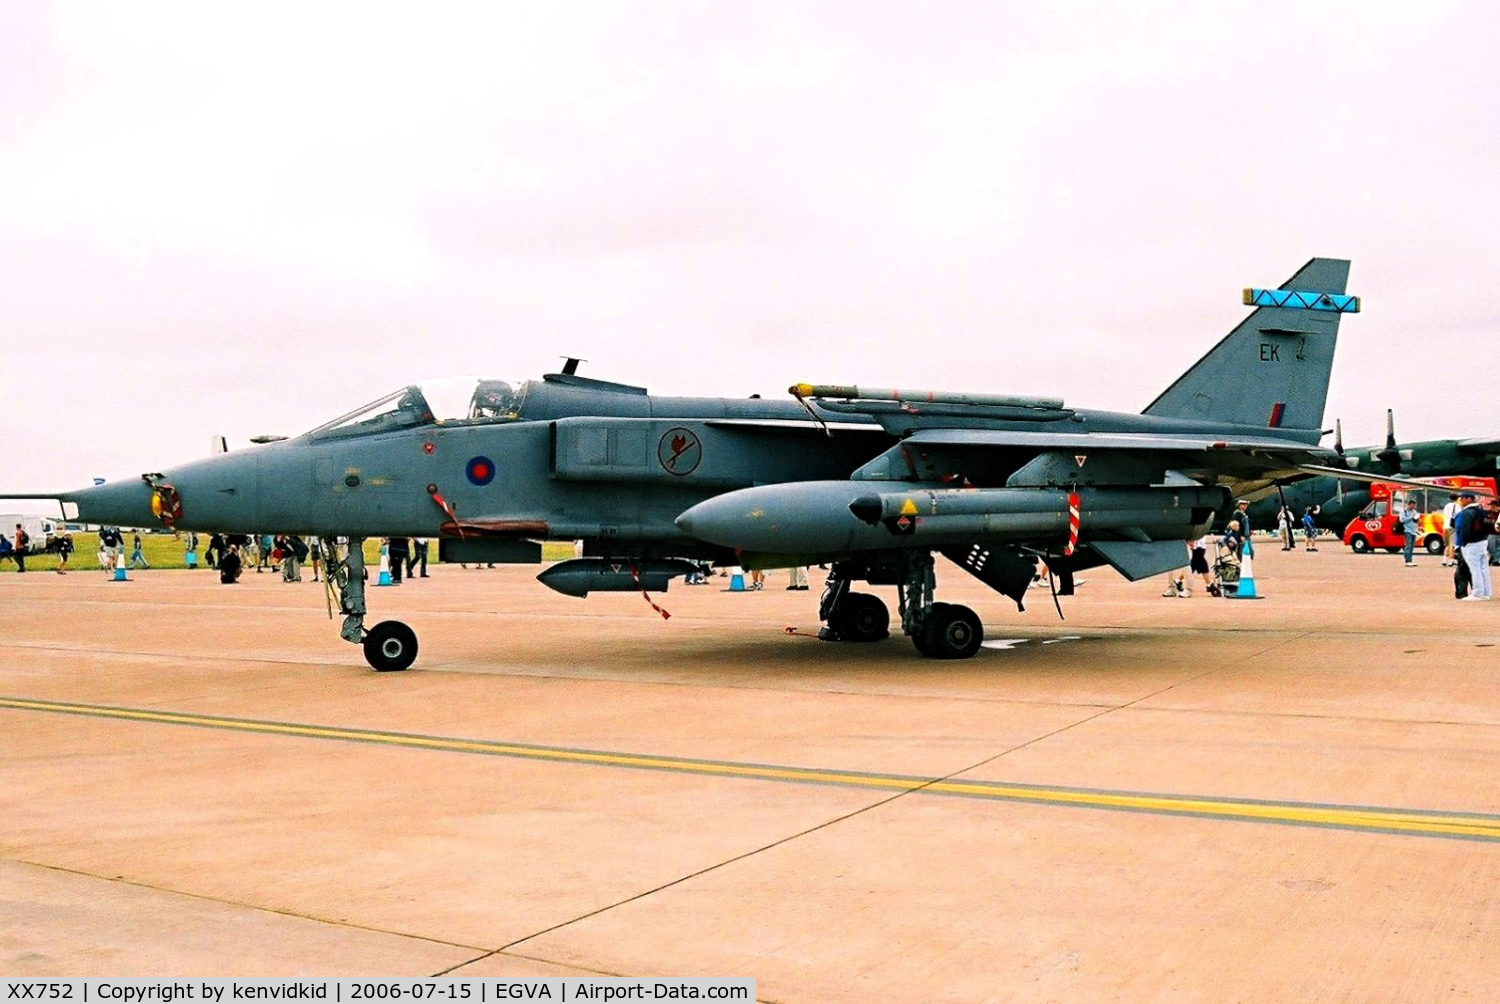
[[1379, 525]]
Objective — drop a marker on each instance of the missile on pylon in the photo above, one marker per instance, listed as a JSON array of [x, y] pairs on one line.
[[847, 392]]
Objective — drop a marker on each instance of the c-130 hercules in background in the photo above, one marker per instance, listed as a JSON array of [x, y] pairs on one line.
[[870, 482]]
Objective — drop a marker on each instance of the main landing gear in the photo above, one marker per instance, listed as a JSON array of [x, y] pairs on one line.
[[938, 630], [390, 646], [851, 616]]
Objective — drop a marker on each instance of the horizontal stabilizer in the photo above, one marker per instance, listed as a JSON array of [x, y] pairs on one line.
[[1141, 560]]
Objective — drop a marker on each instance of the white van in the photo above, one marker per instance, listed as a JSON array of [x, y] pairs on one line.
[[41, 530]]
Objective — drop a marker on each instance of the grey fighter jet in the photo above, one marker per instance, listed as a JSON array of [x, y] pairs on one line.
[[873, 482]]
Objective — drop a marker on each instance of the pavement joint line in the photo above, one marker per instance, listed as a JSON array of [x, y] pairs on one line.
[[1303, 715], [136, 884], [931, 785], [1114, 631], [529, 958], [709, 868], [1121, 707], [601, 676], [187, 657], [1380, 819]]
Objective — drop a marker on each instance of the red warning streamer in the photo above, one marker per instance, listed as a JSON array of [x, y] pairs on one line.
[[442, 504], [1072, 524], [635, 574]]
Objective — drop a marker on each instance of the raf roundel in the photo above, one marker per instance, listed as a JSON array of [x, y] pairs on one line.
[[481, 471]]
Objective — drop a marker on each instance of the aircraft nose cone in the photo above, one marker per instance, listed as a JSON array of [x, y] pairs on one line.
[[117, 503], [685, 522]]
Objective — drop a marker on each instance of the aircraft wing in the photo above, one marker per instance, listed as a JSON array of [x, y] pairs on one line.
[[1108, 441], [1479, 445], [1022, 457], [1367, 478]]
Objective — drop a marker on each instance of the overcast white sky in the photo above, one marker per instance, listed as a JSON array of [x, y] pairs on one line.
[[245, 219]]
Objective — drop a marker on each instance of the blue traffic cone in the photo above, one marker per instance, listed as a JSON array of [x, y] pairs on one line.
[[736, 579], [119, 575], [385, 568], [1246, 590]]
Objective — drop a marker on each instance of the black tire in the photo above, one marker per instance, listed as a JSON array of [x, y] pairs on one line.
[[1433, 544], [1359, 545], [952, 632], [863, 618], [919, 637], [390, 647]]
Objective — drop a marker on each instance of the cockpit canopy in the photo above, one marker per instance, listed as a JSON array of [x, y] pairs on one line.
[[455, 401]]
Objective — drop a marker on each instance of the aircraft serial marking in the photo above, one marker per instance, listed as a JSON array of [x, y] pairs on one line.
[[1371, 819]]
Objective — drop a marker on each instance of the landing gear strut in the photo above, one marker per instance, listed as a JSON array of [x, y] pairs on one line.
[[390, 646], [938, 630]]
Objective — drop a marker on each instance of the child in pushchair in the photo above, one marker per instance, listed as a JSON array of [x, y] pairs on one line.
[[1226, 565]]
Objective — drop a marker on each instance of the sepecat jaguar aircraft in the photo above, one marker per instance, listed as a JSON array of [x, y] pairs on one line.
[[872, 482]]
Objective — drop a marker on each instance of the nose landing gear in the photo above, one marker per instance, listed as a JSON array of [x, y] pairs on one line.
[[389, 646]]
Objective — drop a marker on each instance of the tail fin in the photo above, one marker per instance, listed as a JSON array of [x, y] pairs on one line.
[[1273, 368]]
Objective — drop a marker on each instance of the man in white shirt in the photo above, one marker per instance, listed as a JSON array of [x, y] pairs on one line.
[[1450, 512], [1471, 539]]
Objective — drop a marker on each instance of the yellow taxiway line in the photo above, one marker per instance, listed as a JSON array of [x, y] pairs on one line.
[[1416, 822]]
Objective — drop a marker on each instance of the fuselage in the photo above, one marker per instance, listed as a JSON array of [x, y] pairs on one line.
[[578, 459]]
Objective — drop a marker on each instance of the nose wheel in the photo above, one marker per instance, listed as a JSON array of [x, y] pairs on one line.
[[390, 647]]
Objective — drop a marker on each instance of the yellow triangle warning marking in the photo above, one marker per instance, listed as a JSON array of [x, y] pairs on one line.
[[908, 508]]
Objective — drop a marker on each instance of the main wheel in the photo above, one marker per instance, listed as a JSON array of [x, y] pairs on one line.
[[390, 647], [919, 637], [1359, 545], [1434, 544], [863, 617], [952, 632]]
